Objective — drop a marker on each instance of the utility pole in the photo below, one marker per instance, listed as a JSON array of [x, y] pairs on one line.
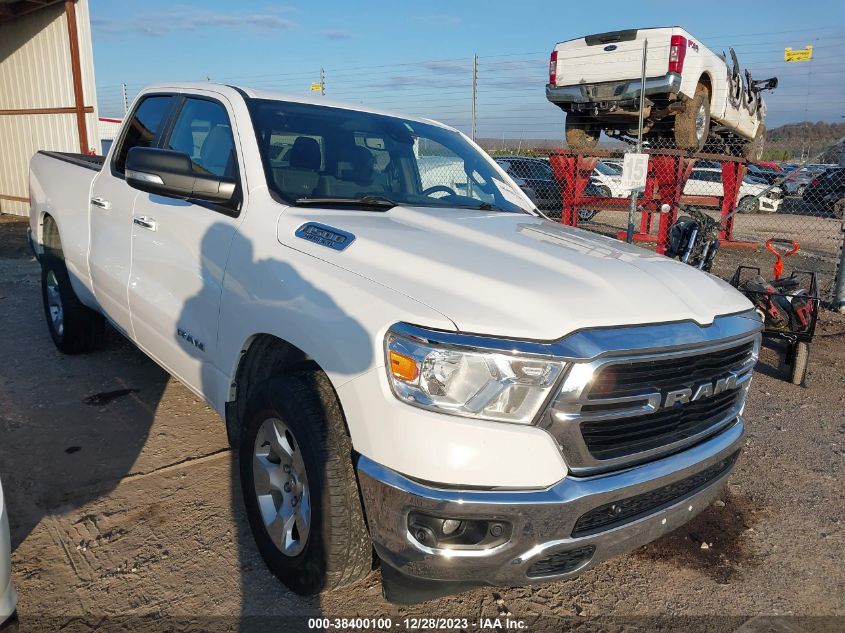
[[323, 81], [125, 98], [629, 237], [474, 93], [839, 284]]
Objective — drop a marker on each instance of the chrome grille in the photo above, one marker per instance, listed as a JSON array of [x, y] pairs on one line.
[[619, 410]]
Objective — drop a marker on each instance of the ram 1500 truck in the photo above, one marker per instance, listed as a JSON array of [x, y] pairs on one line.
[[691, 94], [481, 395]]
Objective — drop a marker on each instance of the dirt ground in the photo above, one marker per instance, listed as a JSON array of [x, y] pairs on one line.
[[125, 513]]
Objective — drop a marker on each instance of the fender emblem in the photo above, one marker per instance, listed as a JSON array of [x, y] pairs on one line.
[[324, 235]]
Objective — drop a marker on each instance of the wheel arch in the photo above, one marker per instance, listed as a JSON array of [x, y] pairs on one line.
[[261, 356], [707, 81]]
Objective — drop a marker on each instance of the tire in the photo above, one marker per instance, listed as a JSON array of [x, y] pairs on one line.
[[327, 545], [585, 215], [752, 150], [839, 209], [582, 132], [749, 208], [692, 125], [800, 360], [74, 327]]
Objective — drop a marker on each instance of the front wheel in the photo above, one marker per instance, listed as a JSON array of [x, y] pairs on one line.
[[748, 205], [74, 327], [299, 486], [752, 150]]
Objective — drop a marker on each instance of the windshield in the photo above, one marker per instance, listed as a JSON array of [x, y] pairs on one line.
[[608, 169], [311, 152]]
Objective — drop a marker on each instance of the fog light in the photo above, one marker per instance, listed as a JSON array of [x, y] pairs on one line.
[[457, 532]]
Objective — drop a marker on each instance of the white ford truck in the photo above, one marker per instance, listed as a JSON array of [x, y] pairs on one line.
[[479, 394], [691, 95]]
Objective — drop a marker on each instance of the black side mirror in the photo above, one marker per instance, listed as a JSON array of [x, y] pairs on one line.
[[168, 173]]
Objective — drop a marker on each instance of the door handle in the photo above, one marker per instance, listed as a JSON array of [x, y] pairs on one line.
[[101, 202], [144, 222]]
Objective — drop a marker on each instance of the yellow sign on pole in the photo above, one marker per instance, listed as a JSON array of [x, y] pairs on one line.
[[801, 55], [316, 87]]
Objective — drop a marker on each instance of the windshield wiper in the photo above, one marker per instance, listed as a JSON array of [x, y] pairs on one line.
[[364, 201]]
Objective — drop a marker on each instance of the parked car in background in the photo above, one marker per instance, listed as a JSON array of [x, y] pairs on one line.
[[8, 597], [608, 176], [708, 182], [537, 174], [692, 94], [764, 174], [827, 191]]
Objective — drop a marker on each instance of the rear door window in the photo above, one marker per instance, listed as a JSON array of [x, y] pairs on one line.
[[143, 128]]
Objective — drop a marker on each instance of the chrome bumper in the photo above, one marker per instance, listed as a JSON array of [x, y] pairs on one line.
[[542, 521], [612, 92]]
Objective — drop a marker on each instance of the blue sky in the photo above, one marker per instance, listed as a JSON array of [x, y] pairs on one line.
[[416, 57]]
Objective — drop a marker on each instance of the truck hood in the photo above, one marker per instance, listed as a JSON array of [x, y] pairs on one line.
[[514, 275]]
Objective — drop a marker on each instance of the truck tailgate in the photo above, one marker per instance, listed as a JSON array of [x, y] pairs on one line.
[[612, 56]]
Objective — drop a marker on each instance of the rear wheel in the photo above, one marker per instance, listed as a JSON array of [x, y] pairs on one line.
[[299, 486], [74, 327], [839, 209], [692, 125], [582, 131]]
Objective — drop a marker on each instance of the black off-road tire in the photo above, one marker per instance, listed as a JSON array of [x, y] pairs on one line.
[[582, 131], [800, 361], [752, 150], [686, 130], [82, 329], [338, 550], [839, 209]]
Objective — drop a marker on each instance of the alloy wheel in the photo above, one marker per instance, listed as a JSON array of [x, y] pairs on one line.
[[281, 486]]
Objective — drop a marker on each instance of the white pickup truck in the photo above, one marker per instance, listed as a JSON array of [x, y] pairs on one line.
[[481, 395], [691, 95]]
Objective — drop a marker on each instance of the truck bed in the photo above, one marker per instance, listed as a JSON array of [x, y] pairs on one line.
[[89, 161]]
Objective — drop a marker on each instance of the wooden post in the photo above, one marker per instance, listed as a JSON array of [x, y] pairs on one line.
[[76, 71]]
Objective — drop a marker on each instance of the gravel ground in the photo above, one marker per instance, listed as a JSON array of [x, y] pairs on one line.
[[120, 492]]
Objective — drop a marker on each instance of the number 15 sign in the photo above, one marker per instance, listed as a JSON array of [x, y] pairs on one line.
[[634, 171]]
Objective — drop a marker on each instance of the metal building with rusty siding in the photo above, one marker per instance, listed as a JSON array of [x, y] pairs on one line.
[[47, 89]]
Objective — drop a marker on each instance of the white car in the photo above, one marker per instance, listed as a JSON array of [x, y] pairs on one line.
[[708, 182], [364, 298], [8, 597], [608, 175], [596, 80]]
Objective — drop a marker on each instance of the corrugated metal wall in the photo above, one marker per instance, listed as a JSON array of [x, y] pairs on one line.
[[36, 73]]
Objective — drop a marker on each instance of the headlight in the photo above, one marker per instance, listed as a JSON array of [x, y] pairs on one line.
[[467, 381]]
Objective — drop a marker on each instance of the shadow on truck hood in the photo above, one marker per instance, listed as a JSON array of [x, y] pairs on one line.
[[514, 275]]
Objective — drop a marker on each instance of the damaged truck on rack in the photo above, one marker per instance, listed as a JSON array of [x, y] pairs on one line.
[[408, 361], [693, 99]]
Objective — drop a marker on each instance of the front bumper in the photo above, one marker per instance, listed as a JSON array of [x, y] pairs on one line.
[[543, 521], [606, 95]]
